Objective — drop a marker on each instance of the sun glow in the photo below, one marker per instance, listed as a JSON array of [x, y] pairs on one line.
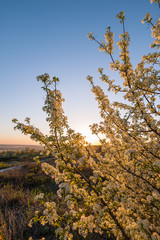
[[90, 138]]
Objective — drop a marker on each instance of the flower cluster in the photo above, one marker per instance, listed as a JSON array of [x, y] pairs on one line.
[[109, 40]]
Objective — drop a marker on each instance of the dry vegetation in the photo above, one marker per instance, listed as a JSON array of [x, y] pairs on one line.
[[18, 189]]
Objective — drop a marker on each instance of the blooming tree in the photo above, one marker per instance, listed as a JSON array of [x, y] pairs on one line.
[[119, 195]]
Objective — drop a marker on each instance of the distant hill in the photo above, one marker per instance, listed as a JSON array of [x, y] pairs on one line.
[[12, 147]]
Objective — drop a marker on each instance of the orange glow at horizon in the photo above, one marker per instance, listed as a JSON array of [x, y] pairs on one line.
[[17, 141]]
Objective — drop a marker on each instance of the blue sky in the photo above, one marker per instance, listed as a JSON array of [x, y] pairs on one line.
[[50, 36]]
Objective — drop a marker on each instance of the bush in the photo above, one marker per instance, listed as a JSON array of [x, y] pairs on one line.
[[120, 198]]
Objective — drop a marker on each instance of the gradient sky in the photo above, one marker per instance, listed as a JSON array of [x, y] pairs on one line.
[[50, 36]]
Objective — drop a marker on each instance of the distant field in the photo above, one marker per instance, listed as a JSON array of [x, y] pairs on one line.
[[12, 147]]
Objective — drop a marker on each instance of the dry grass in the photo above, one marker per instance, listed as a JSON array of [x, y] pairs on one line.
[[17, 191]]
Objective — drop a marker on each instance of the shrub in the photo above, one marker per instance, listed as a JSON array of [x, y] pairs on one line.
[[121, 196]]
